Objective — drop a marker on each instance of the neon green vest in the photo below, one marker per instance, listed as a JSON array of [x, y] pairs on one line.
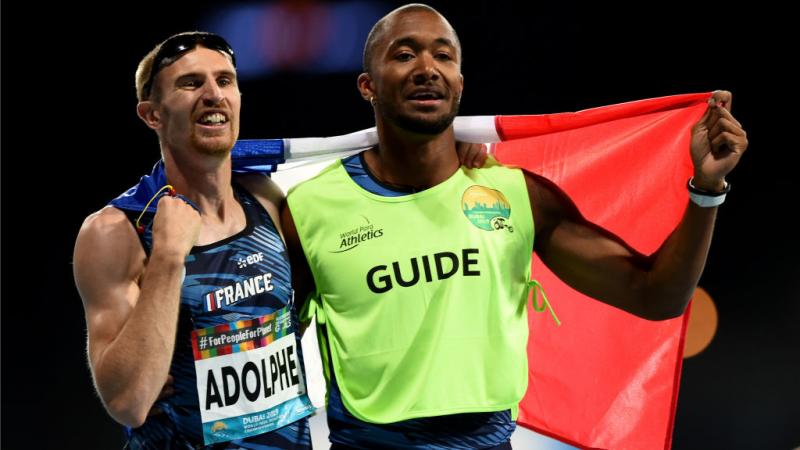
[[424, 295]]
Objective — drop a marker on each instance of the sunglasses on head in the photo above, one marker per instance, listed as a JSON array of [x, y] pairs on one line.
[[174, 47]]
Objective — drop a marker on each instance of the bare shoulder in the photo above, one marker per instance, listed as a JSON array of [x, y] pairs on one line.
[[550, 205], [107, 250], [109, 226], [266, 191], [105, 219]]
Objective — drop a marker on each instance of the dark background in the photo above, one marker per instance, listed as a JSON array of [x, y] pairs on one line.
[[71, 141]]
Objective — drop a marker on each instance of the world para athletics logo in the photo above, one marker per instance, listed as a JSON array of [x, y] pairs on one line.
[[486, 208], [356, 234]]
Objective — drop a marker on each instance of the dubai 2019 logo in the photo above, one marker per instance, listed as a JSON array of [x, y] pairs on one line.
[[486, 208]]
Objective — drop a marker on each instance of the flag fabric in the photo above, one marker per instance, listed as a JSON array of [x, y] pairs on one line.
[[605, 378], [602, 379]]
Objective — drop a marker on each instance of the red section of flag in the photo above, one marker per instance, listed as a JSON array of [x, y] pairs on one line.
[[604, 378]]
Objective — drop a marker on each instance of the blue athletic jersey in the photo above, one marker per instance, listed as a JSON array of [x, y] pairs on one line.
[[457, 431], [256, 253]]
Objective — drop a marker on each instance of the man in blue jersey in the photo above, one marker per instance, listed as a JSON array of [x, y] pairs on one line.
[[191, 333], [194, 295], [388, 281]]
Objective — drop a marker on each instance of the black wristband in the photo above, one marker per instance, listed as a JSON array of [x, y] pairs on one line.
[[705, 193]]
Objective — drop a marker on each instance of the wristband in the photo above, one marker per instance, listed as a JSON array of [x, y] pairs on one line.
[[707, 199]]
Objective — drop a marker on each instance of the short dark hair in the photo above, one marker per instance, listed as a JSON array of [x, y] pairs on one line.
[[171, 50], [380, 27]]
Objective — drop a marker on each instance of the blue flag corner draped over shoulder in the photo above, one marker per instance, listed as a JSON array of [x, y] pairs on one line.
[[137, 197]]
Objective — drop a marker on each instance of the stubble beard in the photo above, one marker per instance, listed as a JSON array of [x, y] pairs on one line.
[[213, 147], [417, 124]]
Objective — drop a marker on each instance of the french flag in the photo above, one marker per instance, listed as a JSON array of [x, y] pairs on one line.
[[603, 378], [211, 303]]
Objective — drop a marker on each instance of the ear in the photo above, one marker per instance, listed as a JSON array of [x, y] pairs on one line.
[[365, 87], [149, 114]]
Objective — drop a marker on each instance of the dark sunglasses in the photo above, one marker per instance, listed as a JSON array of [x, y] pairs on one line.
[[173, 48]]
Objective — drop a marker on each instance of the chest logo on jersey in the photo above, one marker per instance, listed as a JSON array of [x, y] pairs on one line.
[[486, 208], [250, 260], [356, 234], [236, 292]]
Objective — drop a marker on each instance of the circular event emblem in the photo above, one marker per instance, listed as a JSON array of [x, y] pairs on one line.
[[486, 208]]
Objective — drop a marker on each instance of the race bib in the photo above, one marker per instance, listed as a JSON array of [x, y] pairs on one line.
[[249, 377]]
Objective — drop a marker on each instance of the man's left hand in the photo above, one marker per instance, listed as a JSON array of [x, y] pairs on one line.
[[718, 141], [471, 155]]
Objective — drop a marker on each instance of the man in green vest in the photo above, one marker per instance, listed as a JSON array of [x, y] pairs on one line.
[[417, 268]]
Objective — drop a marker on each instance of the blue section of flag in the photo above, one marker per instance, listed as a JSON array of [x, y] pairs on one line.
[[135, 198], [257, 155]]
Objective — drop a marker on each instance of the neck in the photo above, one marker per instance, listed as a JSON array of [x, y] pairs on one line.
[[409, 160], [206, 181]]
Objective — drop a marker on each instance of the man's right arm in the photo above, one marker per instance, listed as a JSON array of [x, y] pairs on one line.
[[302, 278], [131, 303]]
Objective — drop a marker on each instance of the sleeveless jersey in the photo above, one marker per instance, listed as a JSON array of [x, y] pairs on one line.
[[229, 287], [410, 327]]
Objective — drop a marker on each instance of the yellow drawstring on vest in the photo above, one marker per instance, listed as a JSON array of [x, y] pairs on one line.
[[535, 286]]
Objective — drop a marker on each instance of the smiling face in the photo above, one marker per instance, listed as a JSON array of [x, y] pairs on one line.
[[196, 103], [415, 73]]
